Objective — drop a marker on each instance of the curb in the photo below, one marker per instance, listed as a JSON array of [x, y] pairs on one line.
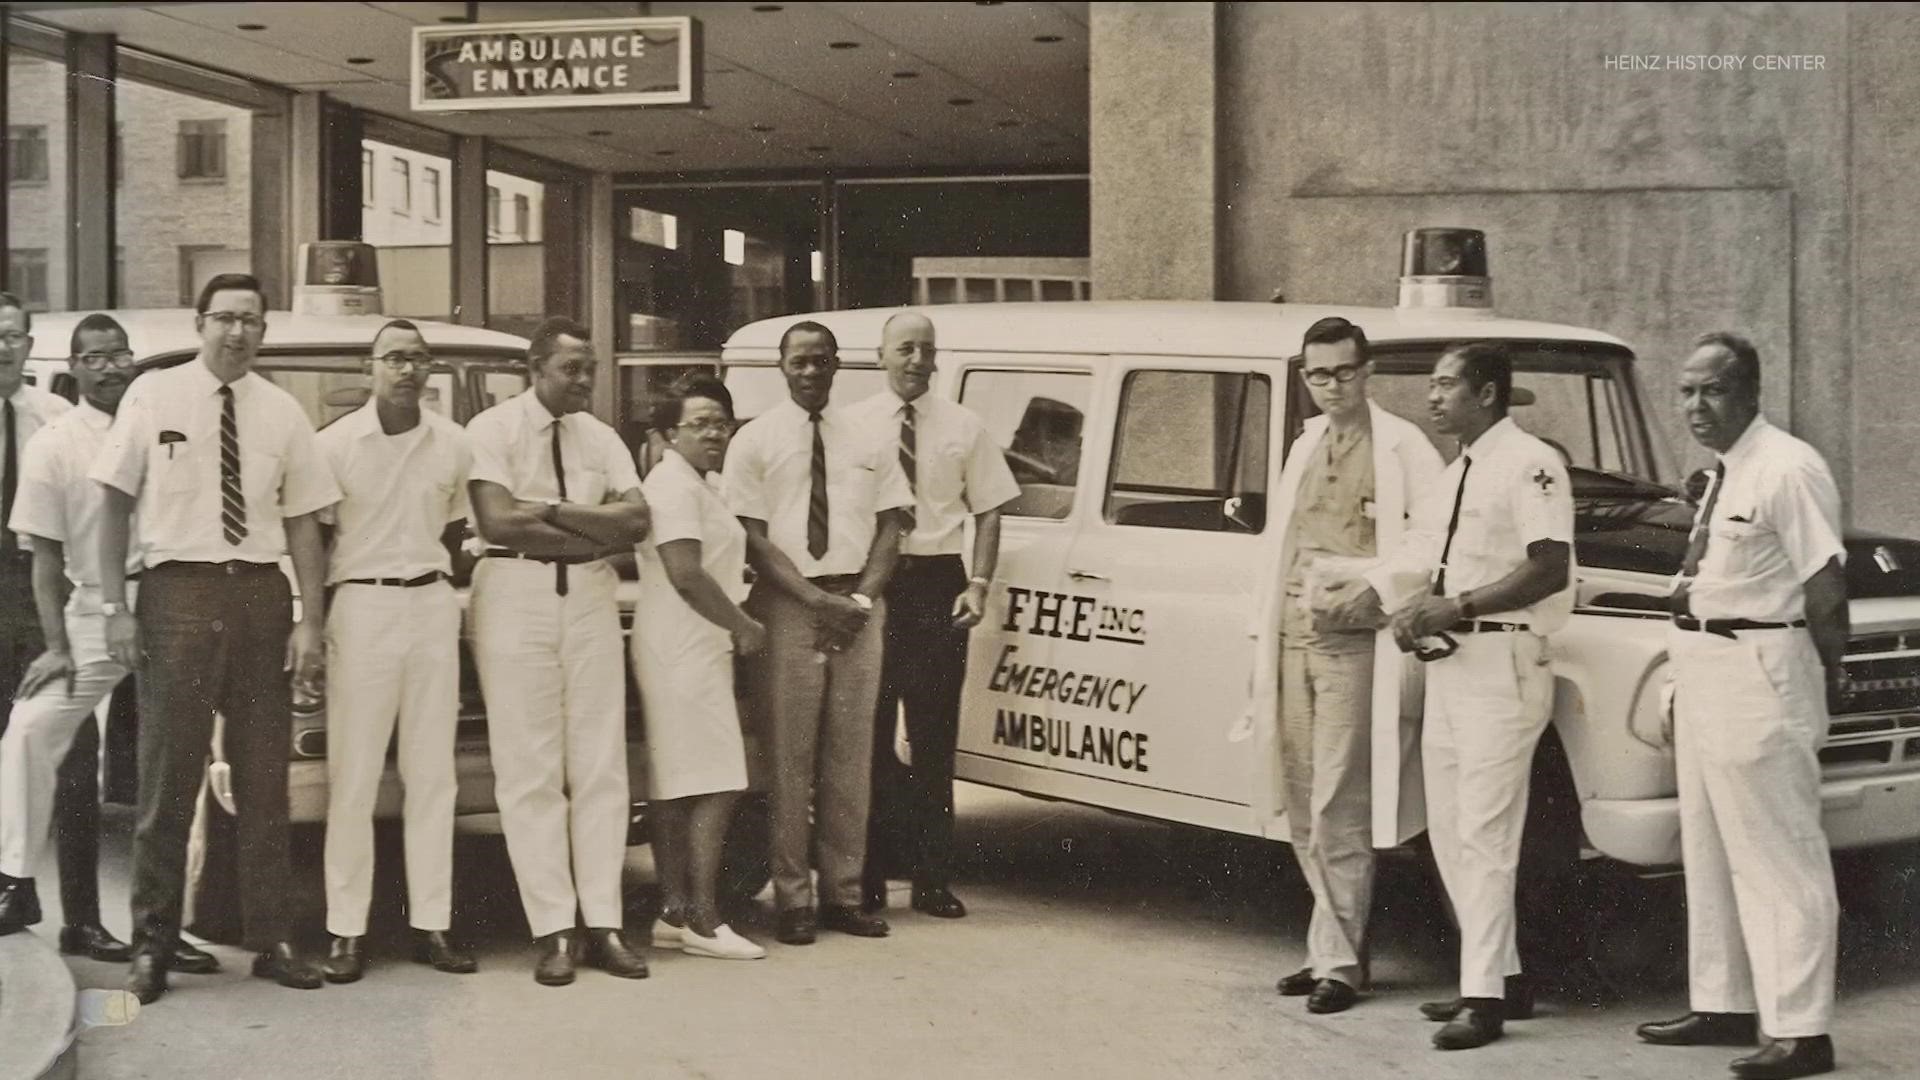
[[36, 1010]]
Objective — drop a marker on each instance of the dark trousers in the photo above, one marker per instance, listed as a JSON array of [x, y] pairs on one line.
[[76, 800], [215, 637], [924, 666]]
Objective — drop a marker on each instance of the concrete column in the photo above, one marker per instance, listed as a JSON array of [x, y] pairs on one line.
[[469, 247], [596, 275], [90, 152], [1154, 151], [305, 201]]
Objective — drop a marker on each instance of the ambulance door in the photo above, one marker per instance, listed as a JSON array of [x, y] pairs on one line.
[[1156, 669], [1037, 409]]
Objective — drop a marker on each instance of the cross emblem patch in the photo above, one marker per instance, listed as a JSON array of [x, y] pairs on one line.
[[1544, 479]]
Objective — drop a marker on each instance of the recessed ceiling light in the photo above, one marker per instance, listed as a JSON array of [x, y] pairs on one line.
[[906, 74], [359, 59], [1048, 39], [768, 9], [843, 44], [251, 26], [664, 153], [453, 18], [1006, 123], [986, 3], [599, 133], [959, 101], [760, 127], [818, 149]]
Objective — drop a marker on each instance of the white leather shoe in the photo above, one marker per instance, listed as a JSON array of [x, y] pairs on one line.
[[666, 935], [723, 945]]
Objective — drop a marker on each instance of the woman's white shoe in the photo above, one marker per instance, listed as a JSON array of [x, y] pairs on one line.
[[666, 935], [723, 945]]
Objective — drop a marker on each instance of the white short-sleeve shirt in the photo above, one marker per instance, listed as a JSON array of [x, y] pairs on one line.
[[56, 501], [1516, 493], [687, 506], [1775, 524], [399, 493], [164, 450], [512, 445], [958, 469], [769, 477]]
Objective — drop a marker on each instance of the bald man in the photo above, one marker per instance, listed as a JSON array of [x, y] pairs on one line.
[[956, 472]]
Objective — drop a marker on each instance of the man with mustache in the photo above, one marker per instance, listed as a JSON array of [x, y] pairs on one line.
[[393, 647]]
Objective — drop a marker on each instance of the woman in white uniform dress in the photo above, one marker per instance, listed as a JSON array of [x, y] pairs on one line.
[[689, 626]]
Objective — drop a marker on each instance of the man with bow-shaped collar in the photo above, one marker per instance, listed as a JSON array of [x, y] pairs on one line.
[[1344, 493]]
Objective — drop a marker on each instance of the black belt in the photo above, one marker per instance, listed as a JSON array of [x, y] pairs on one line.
[[927, 560], [835, 581], [1726, 627], [231, 566], [1481, 626], [427, 578], [564, 560]]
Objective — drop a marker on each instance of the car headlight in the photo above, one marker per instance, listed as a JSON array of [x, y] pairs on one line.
[[1647, 721]]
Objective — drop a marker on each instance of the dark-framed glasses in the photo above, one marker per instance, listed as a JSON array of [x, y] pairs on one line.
[[246, 320], [101, 361], [1345, 373], [402, 361]]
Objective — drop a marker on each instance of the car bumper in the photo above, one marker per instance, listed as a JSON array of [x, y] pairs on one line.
[[1855, 812]]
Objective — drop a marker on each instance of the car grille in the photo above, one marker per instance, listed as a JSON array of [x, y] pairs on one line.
[[1877, 725]]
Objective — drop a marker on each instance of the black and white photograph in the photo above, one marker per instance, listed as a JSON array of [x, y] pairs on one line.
[[953, 540]]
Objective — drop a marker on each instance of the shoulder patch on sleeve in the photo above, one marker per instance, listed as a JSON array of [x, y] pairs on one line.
[[1543, 480]]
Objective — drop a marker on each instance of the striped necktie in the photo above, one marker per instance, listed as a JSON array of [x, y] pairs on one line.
[[560, 478], [909, 459], [233, 498], [817, 497], [1681, 603]]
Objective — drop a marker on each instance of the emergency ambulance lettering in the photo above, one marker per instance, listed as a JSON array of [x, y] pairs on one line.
[[1055, 737], [1067, 687]]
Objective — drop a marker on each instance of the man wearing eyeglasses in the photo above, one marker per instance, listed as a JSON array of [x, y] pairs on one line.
[[1495, 554], [49, 754], [1344, 495], [222, 467], [393, 647]]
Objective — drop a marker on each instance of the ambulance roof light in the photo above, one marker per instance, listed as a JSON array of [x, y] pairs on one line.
[[338, 277], [1445, 268]]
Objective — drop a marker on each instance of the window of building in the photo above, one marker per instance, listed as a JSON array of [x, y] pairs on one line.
[[522, 218], [516, 259], [402, 186], [27, 154], [27, 276], [652, 227], [493, 212], [1190, 451], [430, 191], [1037, 418], [366, 177], [202, 153]]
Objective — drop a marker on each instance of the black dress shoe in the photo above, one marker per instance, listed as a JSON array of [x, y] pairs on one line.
[[853, 921], [94, 942], [19, 905], [796, 927], [873, 898], [1519, 1003], [1332, 996], [147, 978], [284, 965], [555, 966], [939, 903], [189, 959], [612, 955], [345, 961], [1298, 984], [436, 948], [1784, 1059], [1478, 1024], [1702, 1029]]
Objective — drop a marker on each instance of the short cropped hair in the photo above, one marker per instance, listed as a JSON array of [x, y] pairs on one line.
[[98, 320], [1333, 330], [9, 300], [1746, 358], [226, 282], [668, 409], [808, 326], [1482, 362], [546, 339], [394, 324]]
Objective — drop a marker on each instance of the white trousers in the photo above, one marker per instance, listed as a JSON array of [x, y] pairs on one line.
[[393, 656], [553, 673], [1762, 915], [1326, 748], [40, 731], [1485, 709]]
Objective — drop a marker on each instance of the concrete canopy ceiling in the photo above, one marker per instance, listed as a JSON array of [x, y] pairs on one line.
[[767, 66]]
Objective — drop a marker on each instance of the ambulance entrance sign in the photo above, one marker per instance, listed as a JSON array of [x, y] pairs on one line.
[[582, 63]]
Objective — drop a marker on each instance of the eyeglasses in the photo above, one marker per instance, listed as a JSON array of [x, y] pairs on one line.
[[15, 338], [1345, 373], [227, 320], [100, 361], [401, 361], [707, 427]]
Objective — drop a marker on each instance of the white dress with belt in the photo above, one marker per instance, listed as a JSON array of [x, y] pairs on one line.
[[683, 662]]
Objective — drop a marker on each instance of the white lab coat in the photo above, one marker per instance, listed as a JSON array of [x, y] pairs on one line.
[[1405, 466]]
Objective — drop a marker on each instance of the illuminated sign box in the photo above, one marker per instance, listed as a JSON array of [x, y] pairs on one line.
[[583, 63]]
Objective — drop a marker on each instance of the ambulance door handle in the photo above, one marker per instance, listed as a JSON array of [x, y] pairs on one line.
[[1084, 575]]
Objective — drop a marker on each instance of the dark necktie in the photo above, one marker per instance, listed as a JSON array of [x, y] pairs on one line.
[[10, 483], [909, 462], [1453, 524], [560, 478], [817, 498], [1697, 540], [233, 498]]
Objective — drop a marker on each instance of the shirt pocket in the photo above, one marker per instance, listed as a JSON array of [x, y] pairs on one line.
[[260, 473], [176, 468], [592, 484], [1740, 542]]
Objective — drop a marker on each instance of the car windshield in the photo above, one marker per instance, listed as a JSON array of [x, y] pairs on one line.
[[330, 384]]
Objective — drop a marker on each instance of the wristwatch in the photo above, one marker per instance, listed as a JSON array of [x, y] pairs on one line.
[[1465, 601], [980, 581], [866, 604], [110, 608]]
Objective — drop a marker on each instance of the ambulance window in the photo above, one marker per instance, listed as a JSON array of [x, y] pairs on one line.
[[1191, 451], [1037, 418]]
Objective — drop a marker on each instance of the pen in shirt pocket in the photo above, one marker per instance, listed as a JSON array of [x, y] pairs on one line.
[[168, 439]]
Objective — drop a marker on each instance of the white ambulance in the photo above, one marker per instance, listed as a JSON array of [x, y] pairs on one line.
[[1129, 657]]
